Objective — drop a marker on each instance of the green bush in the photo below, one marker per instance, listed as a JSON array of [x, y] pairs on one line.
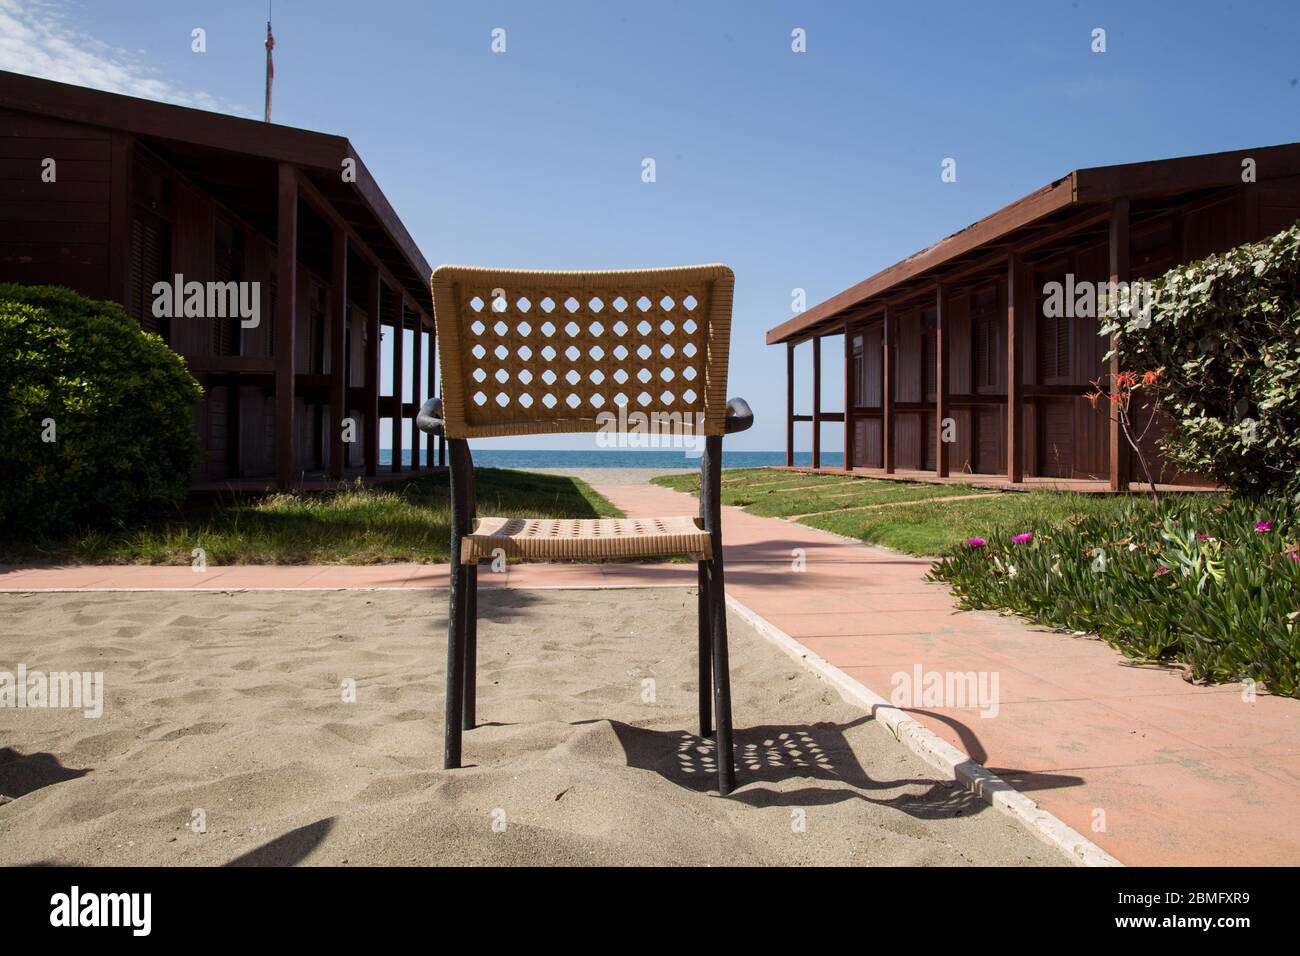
[[1214, 585], [117, 402], [1225, 334]]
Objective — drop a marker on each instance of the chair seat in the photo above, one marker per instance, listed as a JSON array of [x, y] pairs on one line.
[[589, 538]]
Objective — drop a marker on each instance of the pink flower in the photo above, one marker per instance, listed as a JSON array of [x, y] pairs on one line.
[[975, 542], [1022, 538], [1202, 537], [1295, 555], [1263, 526], [1161, 571]]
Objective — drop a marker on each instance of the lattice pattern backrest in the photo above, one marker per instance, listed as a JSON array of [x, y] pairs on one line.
[[526, 352]]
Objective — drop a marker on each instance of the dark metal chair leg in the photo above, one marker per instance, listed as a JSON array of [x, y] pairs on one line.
[[711, 520], [721, 678], [455, 665], [706, 652], [471, 644]]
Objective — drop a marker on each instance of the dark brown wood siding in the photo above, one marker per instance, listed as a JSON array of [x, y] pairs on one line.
[[55, 233]]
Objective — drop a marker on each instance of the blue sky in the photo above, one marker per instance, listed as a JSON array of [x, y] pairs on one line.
[[800, 170]]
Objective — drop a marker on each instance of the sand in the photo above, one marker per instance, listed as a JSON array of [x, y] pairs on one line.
[[227, 708]]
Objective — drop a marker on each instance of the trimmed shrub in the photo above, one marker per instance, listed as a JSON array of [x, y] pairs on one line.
[[96, 415], [1216, 586], [1225, 334]]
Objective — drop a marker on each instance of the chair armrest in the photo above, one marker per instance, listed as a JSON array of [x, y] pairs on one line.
[[739, 415], [429, 419]]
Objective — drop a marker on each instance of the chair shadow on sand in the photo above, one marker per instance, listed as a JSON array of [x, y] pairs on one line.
[[773, 754], [21, 774], [289, 849]]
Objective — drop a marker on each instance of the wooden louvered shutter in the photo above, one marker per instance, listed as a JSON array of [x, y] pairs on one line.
[[1053, 349], [859, 372], [135, 279], [1047, 332], [928, 369], [147, 266], [1063, 347], [225, 339], [983, 353]]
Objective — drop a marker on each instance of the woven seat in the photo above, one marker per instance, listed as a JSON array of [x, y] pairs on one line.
[[591, 539]]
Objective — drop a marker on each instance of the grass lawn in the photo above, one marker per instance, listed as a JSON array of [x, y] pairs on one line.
[[925, 527], [781, 495], [932, 529], [397, 522]]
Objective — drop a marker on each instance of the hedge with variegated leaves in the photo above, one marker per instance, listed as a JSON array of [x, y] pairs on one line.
[[1225, 334]]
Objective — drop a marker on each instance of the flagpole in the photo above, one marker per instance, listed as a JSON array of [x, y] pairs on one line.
[[270, 67]]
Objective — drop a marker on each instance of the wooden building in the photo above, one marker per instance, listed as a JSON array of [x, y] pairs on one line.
[[109, 194], [959, 332]]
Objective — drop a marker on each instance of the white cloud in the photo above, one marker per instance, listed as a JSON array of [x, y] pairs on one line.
[[37, 39]]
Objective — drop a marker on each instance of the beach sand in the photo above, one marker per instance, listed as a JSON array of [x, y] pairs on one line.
[[228, 708]]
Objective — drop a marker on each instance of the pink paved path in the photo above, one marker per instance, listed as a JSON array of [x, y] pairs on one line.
[[1183, 774]]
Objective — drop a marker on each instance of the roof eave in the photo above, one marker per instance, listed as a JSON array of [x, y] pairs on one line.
[[141, 117], [1023, 212]]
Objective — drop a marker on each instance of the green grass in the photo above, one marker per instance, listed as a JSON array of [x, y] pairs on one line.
[[925, 528], [355, 525], [776, 495], [935, 528]]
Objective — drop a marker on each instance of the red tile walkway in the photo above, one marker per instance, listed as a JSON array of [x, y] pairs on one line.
[[1154, 770]]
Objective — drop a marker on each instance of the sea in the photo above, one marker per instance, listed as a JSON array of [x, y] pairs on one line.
[[621, 458]]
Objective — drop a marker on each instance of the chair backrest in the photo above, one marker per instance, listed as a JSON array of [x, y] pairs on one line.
[[528, 352]]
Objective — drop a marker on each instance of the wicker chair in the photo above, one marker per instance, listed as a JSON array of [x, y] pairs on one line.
[[526, 353]]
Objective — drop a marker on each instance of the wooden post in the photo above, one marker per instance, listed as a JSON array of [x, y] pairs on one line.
[[849, 397], [941, 409], [789, 404], [417, 373], [1119, 272], [399, 334], [817, 402], [1015, 389], [338, 351], [285, 307], [887, 391], [372, 373]]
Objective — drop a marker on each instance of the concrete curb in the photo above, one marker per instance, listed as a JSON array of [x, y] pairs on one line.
[[936, 751]]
